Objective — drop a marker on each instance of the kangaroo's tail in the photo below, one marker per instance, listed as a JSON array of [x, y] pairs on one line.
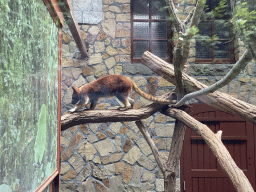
[[150, 97]]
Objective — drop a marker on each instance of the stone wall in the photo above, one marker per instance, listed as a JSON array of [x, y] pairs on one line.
[[115, 156]]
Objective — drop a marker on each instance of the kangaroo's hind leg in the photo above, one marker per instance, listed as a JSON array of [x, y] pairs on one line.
[[125, 100]]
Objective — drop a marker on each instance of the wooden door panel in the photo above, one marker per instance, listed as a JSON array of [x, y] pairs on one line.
[[200, 169]]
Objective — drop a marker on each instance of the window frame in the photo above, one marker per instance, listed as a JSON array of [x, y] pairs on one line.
[[213, 60], [150, 40]]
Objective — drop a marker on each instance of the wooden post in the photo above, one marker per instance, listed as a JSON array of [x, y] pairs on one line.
[[73, 26]]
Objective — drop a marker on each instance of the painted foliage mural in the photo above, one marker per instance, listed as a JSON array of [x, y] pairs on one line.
[[28, 94]]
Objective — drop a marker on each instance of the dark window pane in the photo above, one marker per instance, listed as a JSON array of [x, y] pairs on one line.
[[203, 50], [158, 10], [205, 28], [222, 49], [158, 30], [141, 9], [141, 30], [159, 48], [220, 30], [139, 48]]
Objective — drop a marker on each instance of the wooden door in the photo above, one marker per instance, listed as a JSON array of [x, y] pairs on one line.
[[200, 171]]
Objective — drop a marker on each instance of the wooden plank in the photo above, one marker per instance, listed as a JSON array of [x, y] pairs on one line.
[[47, 181], [55, 12], [69, 17]]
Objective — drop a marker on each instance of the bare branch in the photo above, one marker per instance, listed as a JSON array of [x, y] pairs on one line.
[[197, 14], [177, 23], [151, 144], [187, 20], [217, 100], [224, 158], [189, 35], [240, 65], [218, 134]]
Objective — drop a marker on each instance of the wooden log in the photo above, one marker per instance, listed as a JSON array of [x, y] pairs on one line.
[[217, 99], [97, 116]]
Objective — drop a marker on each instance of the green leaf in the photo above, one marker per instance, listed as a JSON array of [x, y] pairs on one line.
[[40, 142]]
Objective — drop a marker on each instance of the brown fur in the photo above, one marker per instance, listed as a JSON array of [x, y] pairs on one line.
[[107, 86]]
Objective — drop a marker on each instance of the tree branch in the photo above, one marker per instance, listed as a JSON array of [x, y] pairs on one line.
[[190, 34], [240, 65], [217, 100], [151, 144], [96, 116], [178, 68], [180, 27], [224, 158]]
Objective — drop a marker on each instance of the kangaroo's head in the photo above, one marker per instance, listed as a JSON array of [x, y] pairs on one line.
[[76, 95]]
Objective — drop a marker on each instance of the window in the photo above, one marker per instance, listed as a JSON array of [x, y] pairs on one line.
[[150, 29], [221, 51]]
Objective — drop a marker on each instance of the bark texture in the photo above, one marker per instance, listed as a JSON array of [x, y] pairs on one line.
[[224, 158], [218, 100], [97, 116]]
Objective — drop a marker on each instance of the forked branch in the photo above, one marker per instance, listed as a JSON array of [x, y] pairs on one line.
[[240, 65]]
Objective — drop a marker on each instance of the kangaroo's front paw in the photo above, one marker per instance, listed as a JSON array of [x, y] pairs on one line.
[[72, 110], [122, 108]]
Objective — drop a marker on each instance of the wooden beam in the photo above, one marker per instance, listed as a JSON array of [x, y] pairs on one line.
[[217, 99], [69, 17]]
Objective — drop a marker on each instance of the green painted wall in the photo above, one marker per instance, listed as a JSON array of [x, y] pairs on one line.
[[28, 94]]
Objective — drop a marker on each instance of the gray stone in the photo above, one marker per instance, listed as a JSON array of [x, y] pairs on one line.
[[164, 130], [110, 62], [139, 81], [116, 184], [143, 145], [88, 11], [94, 30], [105, 147], [95, 59], [78, 83], [99, 173], [110, 169], [108, 25], [133, 155], [64, 168], [94, 127], [148, 177], [92, 138], [159, 185], [99, 46], [85, 173], [100, 70], [68, 186], [146, 163], [209, 70], [115, 127], [117, 142], [77, 162], [138, 69], [86, 186], [134, 137], [137, 173], [87, 150]]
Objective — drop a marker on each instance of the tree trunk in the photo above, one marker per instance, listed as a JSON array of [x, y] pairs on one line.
[[224, 158], [172, 164], [218, 100]]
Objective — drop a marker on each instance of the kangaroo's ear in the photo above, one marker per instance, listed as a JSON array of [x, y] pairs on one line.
[[75, 89]]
